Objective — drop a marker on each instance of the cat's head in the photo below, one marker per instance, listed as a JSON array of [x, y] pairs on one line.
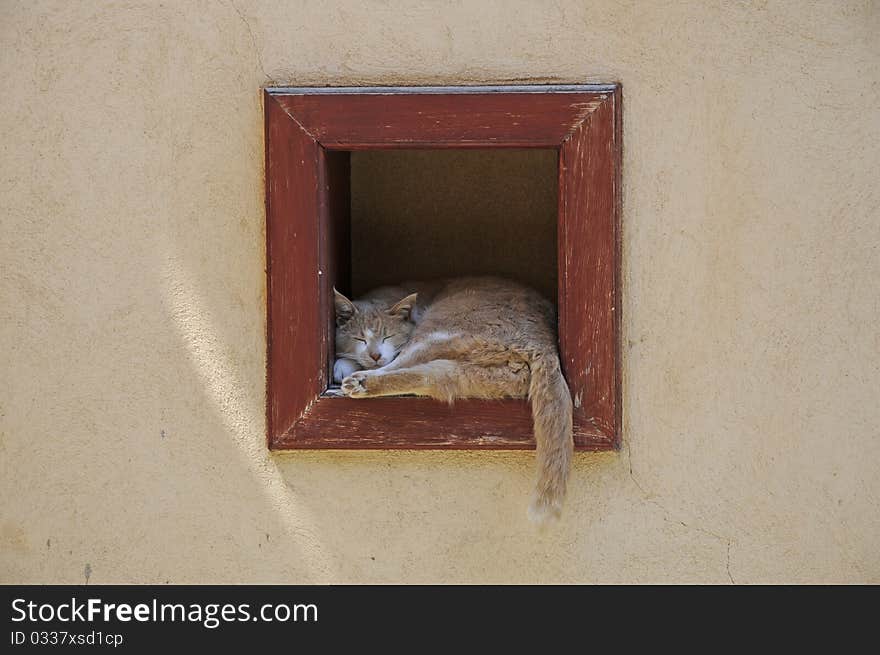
[[372, 336]]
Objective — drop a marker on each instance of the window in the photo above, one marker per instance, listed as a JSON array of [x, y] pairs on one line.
[[321, 144]]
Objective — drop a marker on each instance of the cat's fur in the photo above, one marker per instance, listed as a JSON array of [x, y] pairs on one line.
[[464, 338]]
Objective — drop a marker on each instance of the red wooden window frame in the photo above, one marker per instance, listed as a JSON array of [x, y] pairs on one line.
[[309, 135]]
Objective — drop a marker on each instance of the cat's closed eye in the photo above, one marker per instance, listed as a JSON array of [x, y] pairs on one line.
[[359, 339], [384, 339]]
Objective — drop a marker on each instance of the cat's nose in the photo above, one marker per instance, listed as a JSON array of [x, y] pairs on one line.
[[375, 356]]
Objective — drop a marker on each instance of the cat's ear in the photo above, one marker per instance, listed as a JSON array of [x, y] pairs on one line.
[[404, 308], [345, 309]]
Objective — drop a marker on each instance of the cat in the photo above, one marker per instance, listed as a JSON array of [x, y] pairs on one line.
[[475, 337], [371, 331]]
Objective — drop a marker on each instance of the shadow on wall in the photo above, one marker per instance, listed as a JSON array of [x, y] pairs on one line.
[[278, 529]]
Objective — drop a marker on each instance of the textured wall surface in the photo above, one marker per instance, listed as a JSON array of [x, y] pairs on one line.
[[132, 298]]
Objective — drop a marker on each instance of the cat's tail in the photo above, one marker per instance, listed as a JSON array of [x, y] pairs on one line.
[[551, 413]]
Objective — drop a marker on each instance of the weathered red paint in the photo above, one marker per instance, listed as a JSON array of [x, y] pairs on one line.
[[308, 136]]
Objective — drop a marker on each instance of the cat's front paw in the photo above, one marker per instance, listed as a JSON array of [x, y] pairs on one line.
[[343, 368], [355, 385]]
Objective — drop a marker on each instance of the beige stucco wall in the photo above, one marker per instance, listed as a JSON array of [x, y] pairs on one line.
[[132, 298]]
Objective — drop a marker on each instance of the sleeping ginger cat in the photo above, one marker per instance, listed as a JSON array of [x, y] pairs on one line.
[[463, 338]]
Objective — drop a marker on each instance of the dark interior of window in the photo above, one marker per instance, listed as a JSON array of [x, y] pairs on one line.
[[423, 214]]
